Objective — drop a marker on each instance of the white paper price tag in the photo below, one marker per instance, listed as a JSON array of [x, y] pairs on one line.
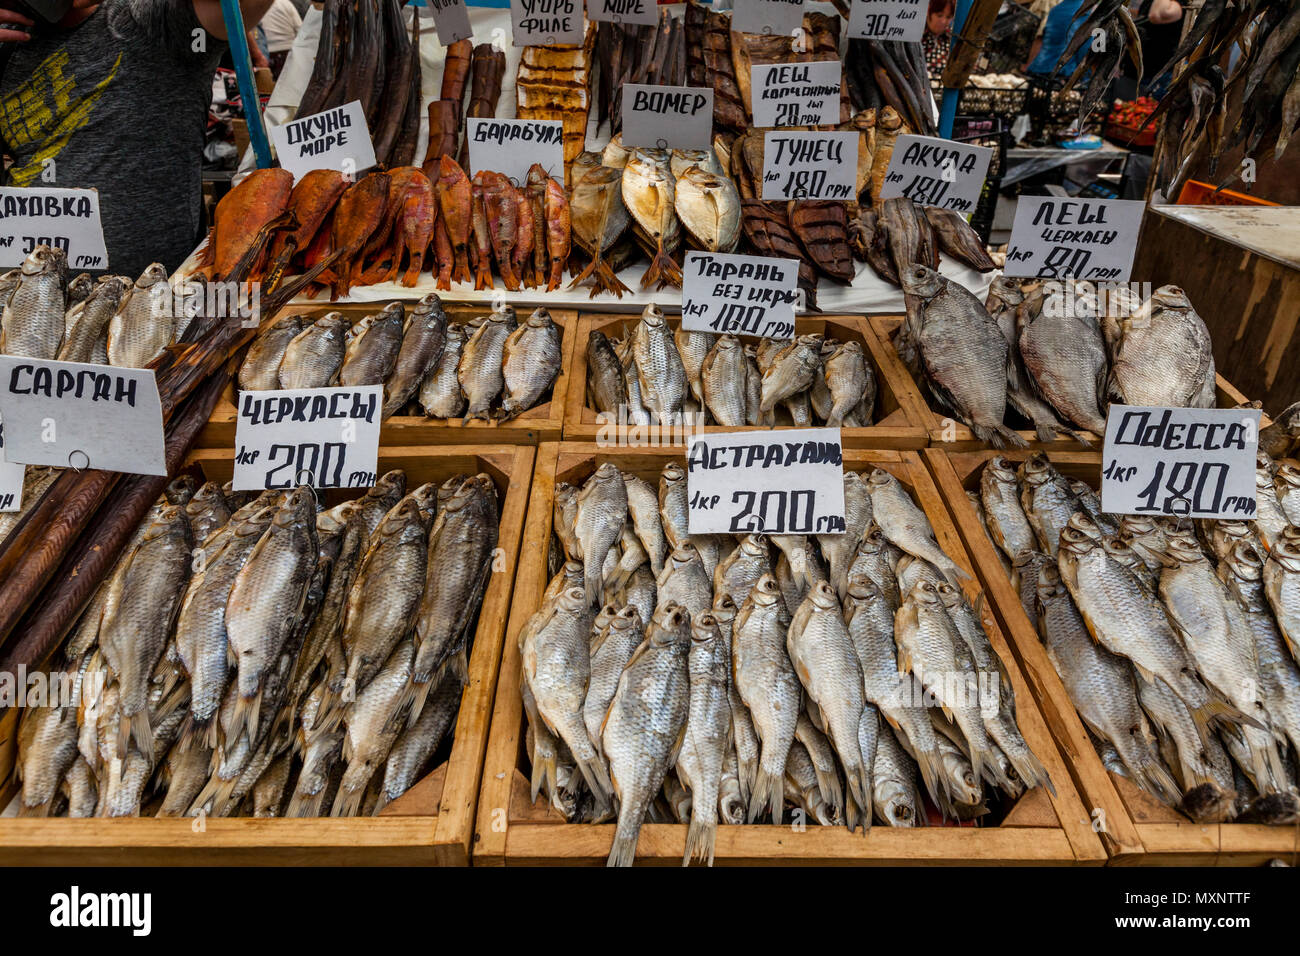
[[450, 19], [64, 218], [11, 481], [767, 16], [739, 295], [510, 147], [1191, 462], [937, 172], [799, 165], [1056, 238], [69, 414], [335, 139], [668, 117], [901, 20], [780, 482], [547, 22], [322, 437], [643, 13], [796, 94]]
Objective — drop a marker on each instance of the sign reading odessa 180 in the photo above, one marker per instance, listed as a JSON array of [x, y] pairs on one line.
[[322, 437], [1191, 462], [781, 482]]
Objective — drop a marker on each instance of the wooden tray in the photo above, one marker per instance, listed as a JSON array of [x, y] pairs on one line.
[[432, 823], [955, 436], [541, 423], [1138, 828], [1040, 828], [895, 428]]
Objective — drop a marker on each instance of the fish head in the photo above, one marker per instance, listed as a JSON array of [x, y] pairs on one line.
[[889, 120], [504, 314], [1245, 562], [671, 625], [1081, 523], [653, 316], [673, 472], [608, 472], [573, 601], [724, 608], [1037, 469], [335, 520], [1006, 290], [1137, 526], [1049, 586], [1181, 547], [81, 287], [425, 498], [704, 628], [950, 596], [1286, 550], [1078, 543], [154, 273], [40, 261], [766, 592], [823, 596], [429, 303], [754, 545], [925, 592], [1170, 297], [394, 312], [626, 617], [872, 542], [879, 478], [1119, 550], [298, 507], [1001, 469], [922, 281], [536, 176], [685, 555], [727, 343], [540, 319]]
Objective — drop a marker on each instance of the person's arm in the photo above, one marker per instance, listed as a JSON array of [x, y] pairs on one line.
[[1165, 11], [13, 17], [255, 53], [209, 14]]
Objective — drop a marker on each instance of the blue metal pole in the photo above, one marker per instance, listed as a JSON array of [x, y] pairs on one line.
[[237, 36], [948, 107]]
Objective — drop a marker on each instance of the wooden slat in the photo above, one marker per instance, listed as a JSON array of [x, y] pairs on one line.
[[442, 837], [543, 422], [952, 435], [894, 428], [510, 832]]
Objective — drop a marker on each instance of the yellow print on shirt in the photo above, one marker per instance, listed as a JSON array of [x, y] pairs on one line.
[[47, 110]]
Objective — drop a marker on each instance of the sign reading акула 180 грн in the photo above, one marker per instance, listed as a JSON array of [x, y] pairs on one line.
[[72, 414], [739, 295], [322, 437], [335, 139], [1190, 462], [66, 219], [1056, 238], [802, 165], [779, 482], [937, 172]]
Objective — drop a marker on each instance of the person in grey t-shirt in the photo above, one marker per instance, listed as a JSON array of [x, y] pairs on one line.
[[115, 96]]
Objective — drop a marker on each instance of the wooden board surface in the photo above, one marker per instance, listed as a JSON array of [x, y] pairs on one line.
[[1138, 828], [542, 422], [511, 833], [1251, 304], [442, 834], [952, 435], [894, 427]]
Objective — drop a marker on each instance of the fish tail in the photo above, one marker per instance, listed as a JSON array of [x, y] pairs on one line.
[[347, 803], [38, 810], [701, 838], [557, 275], [305, 804], [544, 776], [462, 273], [828, 785], [417, 691], [999, 436], [1030, 769], [444, 280], [137, 728], [593, 771], [1153, 777], [1216, 709], [928, 762], [626, 834], [663, 270], [769, 791]]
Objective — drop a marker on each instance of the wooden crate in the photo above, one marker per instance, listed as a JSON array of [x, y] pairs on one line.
[[431, 824], [895, 428], [543, 422], [953, 435], [1138, 828], [1040, 828]]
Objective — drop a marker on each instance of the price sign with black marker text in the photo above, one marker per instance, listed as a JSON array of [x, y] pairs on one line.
[[335, 139], [11, 481], [937, 172], [798, 165], [796, 94], [781, 17], [450, 19], [1055, 238], [66, 219], [780, 482], [547, 22], [510, 147], [70, 414], [739, 295], [322, 437], [667, 117], [641, 13], [1190, 462], [900, 20]]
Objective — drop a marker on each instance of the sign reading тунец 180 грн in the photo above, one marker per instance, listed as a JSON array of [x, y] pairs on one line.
[[800, 165], [781, 482], [1191, 462]]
